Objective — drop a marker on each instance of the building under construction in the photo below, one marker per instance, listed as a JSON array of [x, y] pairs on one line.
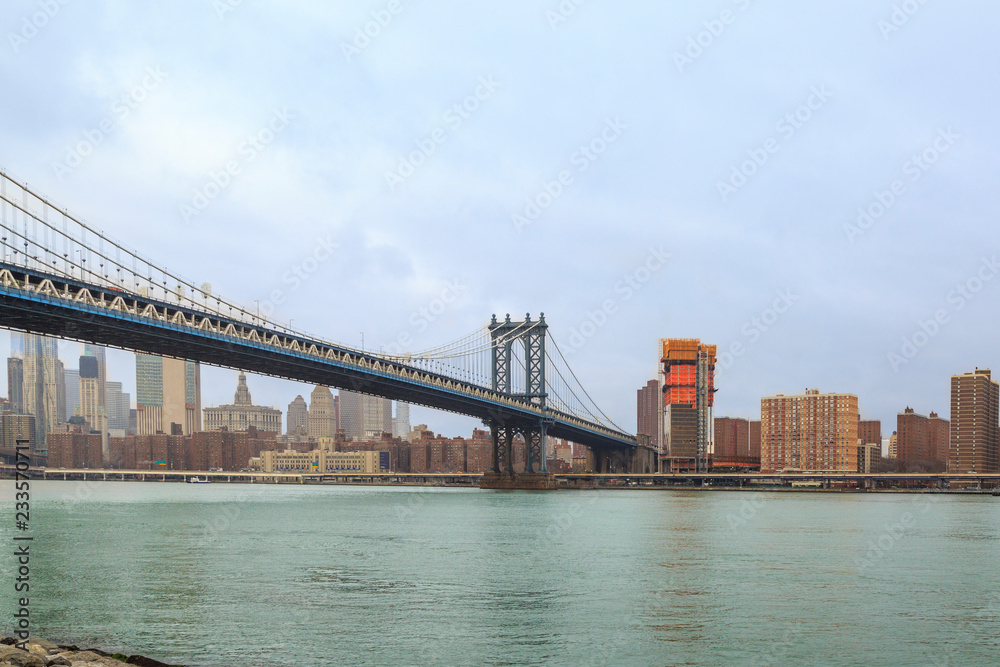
[[687, 376]]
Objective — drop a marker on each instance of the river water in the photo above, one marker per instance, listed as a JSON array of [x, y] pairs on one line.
[[225, 574]]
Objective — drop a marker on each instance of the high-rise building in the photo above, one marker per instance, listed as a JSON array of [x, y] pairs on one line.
[[975, 440], [119, 404], [732, 439], [41, 384], [322, 413], [363, 416], [298, 417], [15, 383], [939, 432], [688, 380], [242, 414], [98, 352], [810, 432], [911, 438], [922, 441], [17, 344], [401, 422], [870, 431], [352, 416], [754, 443], [377, 416], [14, 427], [72, 376], [647, 412], [60, 391], [893, 440], [90, 407], [168, 391]]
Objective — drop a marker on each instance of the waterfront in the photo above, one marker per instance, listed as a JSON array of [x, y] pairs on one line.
[[280, 575]]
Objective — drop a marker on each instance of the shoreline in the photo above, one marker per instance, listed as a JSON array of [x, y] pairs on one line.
[[38, 652], [596, 485]]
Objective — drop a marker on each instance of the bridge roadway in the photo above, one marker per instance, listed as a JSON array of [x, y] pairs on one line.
[[677, 481], [45, 303]]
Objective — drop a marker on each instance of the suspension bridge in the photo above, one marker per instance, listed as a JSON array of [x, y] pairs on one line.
[[61, 277]]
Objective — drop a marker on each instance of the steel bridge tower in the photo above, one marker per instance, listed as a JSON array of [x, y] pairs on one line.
[[508, 339]]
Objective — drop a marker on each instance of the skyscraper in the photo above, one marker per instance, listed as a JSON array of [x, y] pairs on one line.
[[118, 405], [41, 384], [322, 413], [363, 417], [60, 391], [975, 440], [377, 416], [688, 380], [90, 407], [14, 427], [810, 432], [401, 422], [647, 412], [922, 442], [15, 384], [98, 352], [297, 420], [168, 391], [72, 377], [352, 416]]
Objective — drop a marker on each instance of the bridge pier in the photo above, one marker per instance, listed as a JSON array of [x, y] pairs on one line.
[[502, 475]]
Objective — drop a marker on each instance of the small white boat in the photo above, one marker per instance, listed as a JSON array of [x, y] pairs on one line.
[[198, 480]]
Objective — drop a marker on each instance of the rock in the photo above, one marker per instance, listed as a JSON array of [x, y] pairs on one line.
[[5, 649], [49, 647], [58, 660], [22, 659], [143, 661], [81, 656], [8, 641]]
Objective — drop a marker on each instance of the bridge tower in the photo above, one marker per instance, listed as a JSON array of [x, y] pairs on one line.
[[509, 340]]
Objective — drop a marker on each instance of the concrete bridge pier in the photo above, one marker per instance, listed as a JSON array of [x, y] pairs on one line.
[[502, 475]]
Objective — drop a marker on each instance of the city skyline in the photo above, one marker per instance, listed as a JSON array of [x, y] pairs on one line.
[[223, 381]]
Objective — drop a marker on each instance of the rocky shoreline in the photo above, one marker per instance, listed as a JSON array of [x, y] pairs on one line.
[[42, 653]]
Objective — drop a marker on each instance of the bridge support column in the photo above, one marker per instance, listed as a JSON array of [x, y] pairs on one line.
[[502, 475], [503, 445], [534, 449]]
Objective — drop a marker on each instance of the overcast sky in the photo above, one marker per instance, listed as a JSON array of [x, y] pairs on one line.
[[636, 170]]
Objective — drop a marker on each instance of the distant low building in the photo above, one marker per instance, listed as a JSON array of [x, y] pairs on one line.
[[869, 456], [320, 461], [242, 414]]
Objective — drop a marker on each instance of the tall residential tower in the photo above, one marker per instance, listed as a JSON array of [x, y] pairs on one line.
[[975, 440]]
